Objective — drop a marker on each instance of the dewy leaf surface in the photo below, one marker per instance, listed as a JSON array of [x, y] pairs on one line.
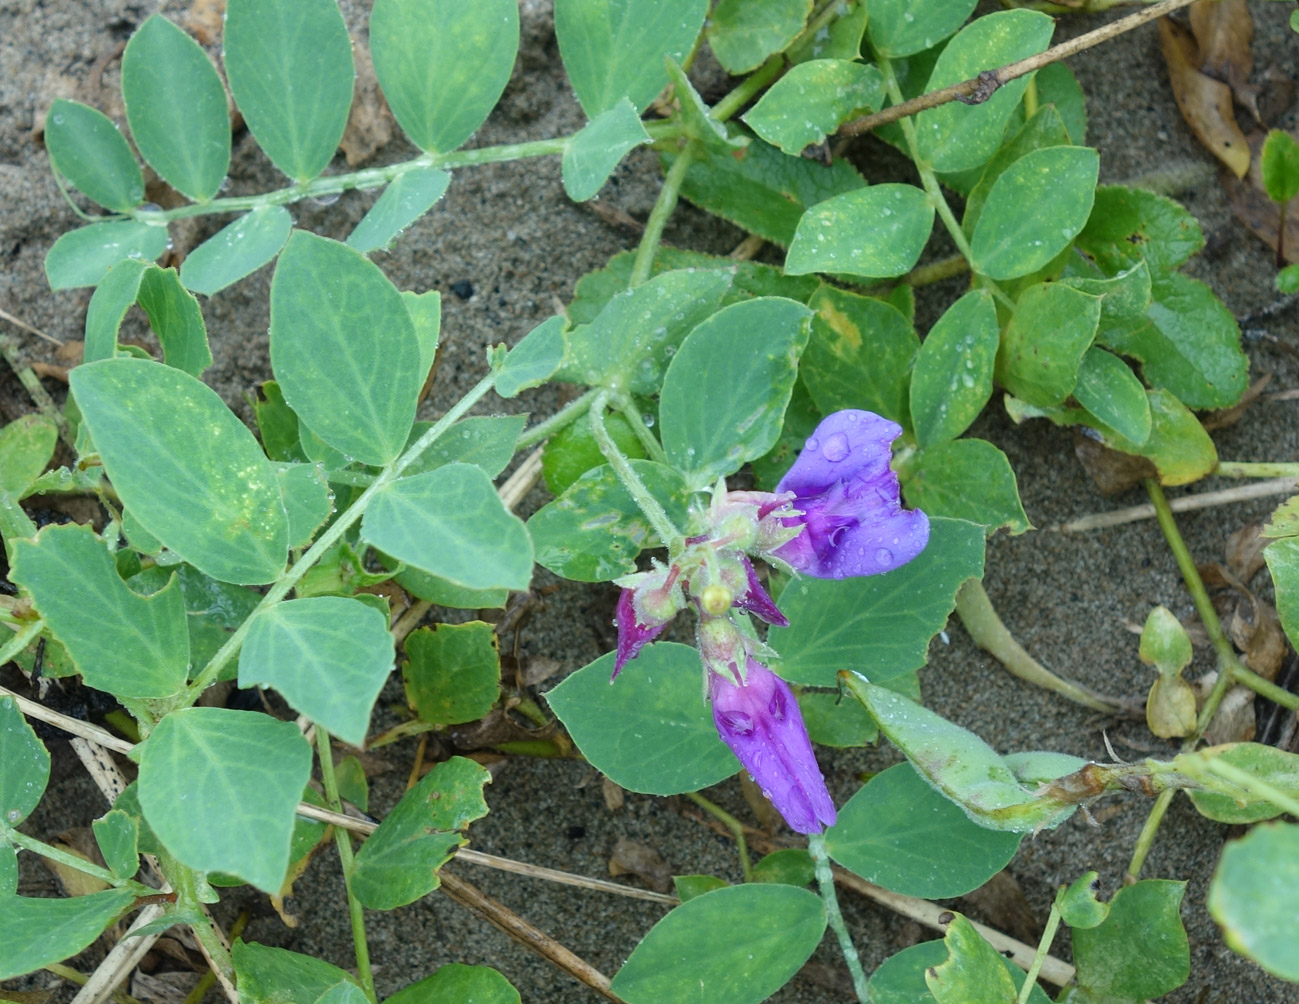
[[26, 765], [952, 380], [220, 787], [82, 257], [876, 232], [328, 655], [186, 467], [731, 946], [743, 33], [591, 155], [651, 729], [343, 348], [86, 148], [812, 100], [1141, 949], [40, 932], [121, 642], [453, 672], [443, 64], [969, 479], [614, 49], [290, 70], [236, 250], [901, 28], [405, 200]]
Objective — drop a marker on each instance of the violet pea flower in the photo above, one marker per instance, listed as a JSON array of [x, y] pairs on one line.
[[761, 723], [851, 515]]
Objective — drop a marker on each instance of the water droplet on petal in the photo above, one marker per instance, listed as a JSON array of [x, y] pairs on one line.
[[884, 556], [835, 448], [813, 444]]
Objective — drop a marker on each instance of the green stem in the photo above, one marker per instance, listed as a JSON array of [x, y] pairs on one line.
[[185, 882], [1254, 785], [1043, 947], [750, 86], [1147, 836], [825, 882], [732, 824], [1243, 469], [658, 217], [327, 540], [80, 979], [633, 416], [669, 535], [936, 271], [988, 632], [20, 641], [563, 418], [344, 841], [65, 858], [1265, 688]]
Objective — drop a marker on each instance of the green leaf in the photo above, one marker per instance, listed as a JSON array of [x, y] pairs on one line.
[[743, 33], [1140, 950], [219, 789], [1282, 558], [591, 155], [952, 380], [1188, 342], [109, 303], [1079, 907], [485, 441], [408, 197], [458, 984], [690, 887], [39, 932], [956, 136], [452, 672], [86, 148], [26, 765], [399, 862], [443, 593], [534, 360], [973, 972], [343, 348], [1179, 446], [840, 39], [875, 232], [833, 721], [1287, 280], [425, 310], [1128, 225], [186, 467], [451, 522], [733, 946], [901, 978], [651, 729], [718, 415], [307, 500], [26, 448], [1044, 130], [901, 28], [594, 531], [117, 835], [958, 763], [1044, 343], [236, 250], [1109, 389], [1057, 85], [1284, 521], [1267, 763], [812, 100], [8, 871], [82, 257], [1252, 897], [176, 319], [126, 644], [1165, 643], [290, 71], [443, 64], [1279, 164], [613, 49], [879, 625], [763, 190], [967, 479], [1034, 211], [215, 609], [791, 866], [631, 341], [176, 107], [269, 975], [328, 655], [859, 355], [900, 833]]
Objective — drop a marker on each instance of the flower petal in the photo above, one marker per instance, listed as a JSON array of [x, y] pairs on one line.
[[632, 634], [849, 447], [761, 723], [757, 601]]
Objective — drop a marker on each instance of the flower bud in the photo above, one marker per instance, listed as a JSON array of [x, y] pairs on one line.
[[716, 599], [722, 648]]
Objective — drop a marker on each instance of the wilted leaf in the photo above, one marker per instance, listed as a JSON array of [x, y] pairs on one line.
[[1112, 471], [647, 864], [1205, 103], [1249, 201], [1223, 31]]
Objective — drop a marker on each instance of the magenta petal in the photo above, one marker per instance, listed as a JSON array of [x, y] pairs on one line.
[[757, 601], [853, 521], [763, 726], [632, 635]]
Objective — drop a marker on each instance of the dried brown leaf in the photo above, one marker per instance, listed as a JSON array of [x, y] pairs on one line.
[[1112, 471], [1225, 417], [1205, 103], [205, 20], [162, 988], [1234, 722], [1170, 707], [1245, 551], [641, 861], [1224, 32], [613, 795], [1253, 208], [537, 669], [1255, 629]]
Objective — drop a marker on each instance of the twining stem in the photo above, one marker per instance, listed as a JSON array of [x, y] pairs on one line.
[[750, 86], [825, 882], [65, 858], [563, 418], [1265, 687], [658, 217], [732, 824], [325, 754], [986, 84], [669, 535], [327, 540], [1043, 947], [984, 626], [632, 414], [1243, 469]]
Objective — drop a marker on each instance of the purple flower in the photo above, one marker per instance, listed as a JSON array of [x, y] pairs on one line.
[[632, 634], [756, 600], [852, 519], [761, 723]]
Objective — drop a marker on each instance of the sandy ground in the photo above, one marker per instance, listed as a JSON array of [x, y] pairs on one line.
[[510, 233]]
